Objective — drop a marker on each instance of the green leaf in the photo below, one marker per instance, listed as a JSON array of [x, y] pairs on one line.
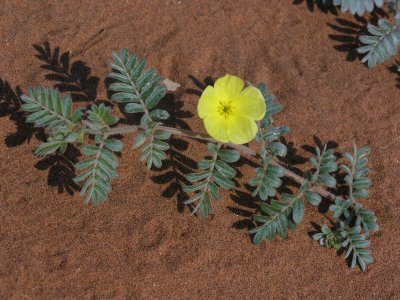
[[228, 155], [357, 6], [161, 135], [161, 145], [123, 97], [204, 164], [225, 170], [121, 87], [145, 78], [298, 211], [117, 59], [132, 108], [156, 95], [114, 145], [212, 148], [194, 187], [260, 235], [381, 45], [47, 108], [139, 141], [278, 149], [213, 189], [119, 77], [222, 181], [281, 227], [159, 114], [48, 148], [197, 176], [100, 117], [78, 115], [313, 198], [327, 180], [99, 168]]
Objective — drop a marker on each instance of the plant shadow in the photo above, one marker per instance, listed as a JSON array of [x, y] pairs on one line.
[[72, 77], [395, 69], [200, 85], [177, 164], [348, 34], [312, 5], [327, 6], [10, 106], [350, 31], [61, 170]]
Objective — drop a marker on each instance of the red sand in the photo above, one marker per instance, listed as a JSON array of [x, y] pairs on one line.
[[142, 243]]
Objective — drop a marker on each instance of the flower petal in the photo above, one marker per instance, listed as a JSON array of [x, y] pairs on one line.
[[229, 86], [250, 103], [208, 103], [241, 130], [216, 127]]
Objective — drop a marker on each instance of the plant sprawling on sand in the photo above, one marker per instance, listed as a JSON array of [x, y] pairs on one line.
[[382, 40], [233, 115]]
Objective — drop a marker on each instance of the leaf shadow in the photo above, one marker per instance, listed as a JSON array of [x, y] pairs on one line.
[[395, 69], [347, 36], [350, 31], [312, 5], [72, 77], [61, 170], [10, 106], [177, 164], [248, 206]]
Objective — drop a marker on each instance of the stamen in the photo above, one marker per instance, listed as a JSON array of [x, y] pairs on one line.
[[225, 108]]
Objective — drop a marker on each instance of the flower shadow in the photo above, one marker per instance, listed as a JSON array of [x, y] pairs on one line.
[[200, 85]]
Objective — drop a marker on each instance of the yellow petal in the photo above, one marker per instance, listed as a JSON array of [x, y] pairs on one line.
[[216, 127], [208, 103], [229, 86], [241, 130], [250, 103]]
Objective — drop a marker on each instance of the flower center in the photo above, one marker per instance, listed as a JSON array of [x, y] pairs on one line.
[[225, 108]]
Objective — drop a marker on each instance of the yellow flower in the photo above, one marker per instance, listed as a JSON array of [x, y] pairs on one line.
[[229, 112]]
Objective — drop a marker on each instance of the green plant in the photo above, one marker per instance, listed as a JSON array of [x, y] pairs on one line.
[[354, 222], [382, 41], [139, 91]]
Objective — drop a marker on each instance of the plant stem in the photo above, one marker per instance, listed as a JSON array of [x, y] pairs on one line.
[[203, 136], [145, 110]]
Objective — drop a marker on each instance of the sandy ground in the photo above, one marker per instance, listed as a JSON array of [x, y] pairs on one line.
[[142, 243]]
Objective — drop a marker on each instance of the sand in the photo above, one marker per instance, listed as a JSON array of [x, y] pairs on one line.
[[143, 243]]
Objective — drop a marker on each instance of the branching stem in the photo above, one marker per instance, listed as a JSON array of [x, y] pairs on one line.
[[203, 136]]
